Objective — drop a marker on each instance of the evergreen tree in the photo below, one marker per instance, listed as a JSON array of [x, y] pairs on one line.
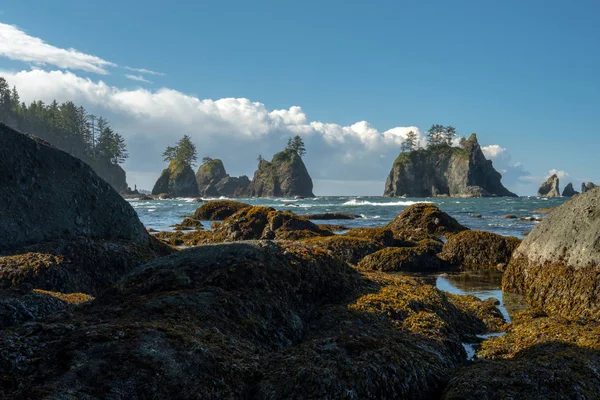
[[411, 142], [206, 160], [297, 145], [449, 134], [184, 152], [434, 135]]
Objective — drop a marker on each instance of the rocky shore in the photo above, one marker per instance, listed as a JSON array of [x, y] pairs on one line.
[[269, 305]]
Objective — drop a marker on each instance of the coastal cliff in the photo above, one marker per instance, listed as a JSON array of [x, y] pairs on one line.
[[284, 176], [113, 174], [213, 181], [177, 180], [445, 171]]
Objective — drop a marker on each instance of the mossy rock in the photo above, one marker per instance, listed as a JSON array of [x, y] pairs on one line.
[[188, 224], [427, 218], [479, 249], [349, 249], [419, 258], [539, 357], [218, 210], [188, 239], [381, 235]]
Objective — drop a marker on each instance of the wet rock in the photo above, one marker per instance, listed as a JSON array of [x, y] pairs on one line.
[[550, 188], [479, 249], [427, 218], [331, 215], [218, 210], [266, 223], [36, 206], [557, 266], [568, 191], [382, 235], [476, 216], [189, 223], [539, 358], [510, 216], [245, 320], [419, 258], [348, 249]]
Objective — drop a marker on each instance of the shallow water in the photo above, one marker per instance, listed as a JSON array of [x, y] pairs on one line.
[[375, 211]]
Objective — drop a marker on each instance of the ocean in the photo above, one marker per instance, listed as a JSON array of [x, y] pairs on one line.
[[374, 211]]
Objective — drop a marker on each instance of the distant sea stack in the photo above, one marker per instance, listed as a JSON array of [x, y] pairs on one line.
[[445, 171], [284, 176], [549, 188], [587, 187], [177, 180], [569, 191], [213, 181], [111, 173]]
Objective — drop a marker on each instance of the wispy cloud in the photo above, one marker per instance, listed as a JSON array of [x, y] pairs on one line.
[[138, 78], [15, 44], [144, 71]]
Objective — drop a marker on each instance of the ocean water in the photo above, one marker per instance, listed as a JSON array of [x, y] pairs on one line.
[[374, 211]]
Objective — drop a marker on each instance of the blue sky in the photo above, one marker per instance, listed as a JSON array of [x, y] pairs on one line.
[[523, 75]]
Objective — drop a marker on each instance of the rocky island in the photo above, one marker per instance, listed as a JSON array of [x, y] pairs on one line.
[[550, 188], [443, 170]]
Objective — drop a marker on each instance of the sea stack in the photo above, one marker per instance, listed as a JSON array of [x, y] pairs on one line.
[[213, 181], [549, 188], [445, 171], [588, 187], [284, 176], [177, 180], [569, 191]]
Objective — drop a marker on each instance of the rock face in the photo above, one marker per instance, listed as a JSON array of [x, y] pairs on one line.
[[48, 194], [479, 249], [557, 267], [445, 171], [284, 176], [424, 218], [549, 188], [213, 181], [248, 320], [113, 174], [218, 209], [177, 180], [587, 187], [568, 191]]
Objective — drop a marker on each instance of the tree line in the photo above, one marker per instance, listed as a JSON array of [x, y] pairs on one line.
[[437, 136], [66, 126]]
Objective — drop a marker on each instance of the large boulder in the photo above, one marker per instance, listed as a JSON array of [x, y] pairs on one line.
[[248, 320], [349, 249], [426, 218], [284, 176], [557, 267], [550, 188], [419, 258], [479, 249], [568, 191], [177, 180], [445, 171], [49, 194]]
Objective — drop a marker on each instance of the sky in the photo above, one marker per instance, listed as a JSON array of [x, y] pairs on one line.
[[350, 77]]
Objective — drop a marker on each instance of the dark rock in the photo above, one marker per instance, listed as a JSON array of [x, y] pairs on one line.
[[189, 223], [331, 215], [550, 188], [445, 171], [510, 216], [266, 223], [218, 210], [177, 180], [568, 191], [476, 216], [587, 187], [248, 320], [111, 173], [213, 181], [427, 218], [419, 258], [557, 267], [478, 249], [48, 194], [538, 358], [284, 176]]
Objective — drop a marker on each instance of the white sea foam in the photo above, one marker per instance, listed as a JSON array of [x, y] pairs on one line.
[[370, 216], [355, 202]]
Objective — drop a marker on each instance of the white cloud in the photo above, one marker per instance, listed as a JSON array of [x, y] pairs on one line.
[[18, 45], [561, 174], [144, 71], [138, 78], [234, 129]]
